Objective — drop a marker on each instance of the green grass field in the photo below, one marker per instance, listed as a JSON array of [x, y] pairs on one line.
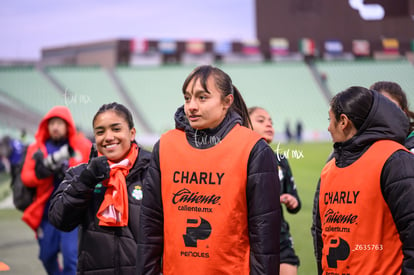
[[306, 161]]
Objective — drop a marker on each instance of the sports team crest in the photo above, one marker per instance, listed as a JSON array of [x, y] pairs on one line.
[[137, 193]]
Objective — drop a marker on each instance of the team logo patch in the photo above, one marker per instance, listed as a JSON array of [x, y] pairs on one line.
[[137, 193]]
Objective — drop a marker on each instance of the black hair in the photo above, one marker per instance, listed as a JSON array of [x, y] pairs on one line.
[[251, 110], [398, 94], [355, 102], [120, 109], [224, 83]]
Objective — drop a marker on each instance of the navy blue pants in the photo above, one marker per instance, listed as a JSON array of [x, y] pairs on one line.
[[53, 241]]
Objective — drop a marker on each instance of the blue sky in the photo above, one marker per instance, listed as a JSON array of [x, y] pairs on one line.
[[27, 26]]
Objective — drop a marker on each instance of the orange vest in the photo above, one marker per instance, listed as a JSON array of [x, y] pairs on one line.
[[204, 200], [358, 231]]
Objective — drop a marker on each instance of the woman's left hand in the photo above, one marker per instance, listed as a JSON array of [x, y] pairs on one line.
[[290, 201]]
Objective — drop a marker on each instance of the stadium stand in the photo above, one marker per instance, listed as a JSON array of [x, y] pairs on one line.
[[14, 118], [85, 90], [27, 86], [289, 90], [156, 91], [23, 91], [343, 74]]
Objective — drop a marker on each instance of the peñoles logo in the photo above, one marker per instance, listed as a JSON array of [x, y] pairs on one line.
[[186, 196], [200, 232], [338, 251]]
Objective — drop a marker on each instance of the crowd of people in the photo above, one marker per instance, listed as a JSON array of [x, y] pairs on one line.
[[198, 204]]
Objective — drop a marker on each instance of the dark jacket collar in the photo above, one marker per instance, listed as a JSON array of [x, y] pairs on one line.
[[206, 138]]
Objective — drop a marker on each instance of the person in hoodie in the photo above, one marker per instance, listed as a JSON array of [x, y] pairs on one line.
[[364, 212], [396, 94], [209, 202], [104, 195], [56, 148]]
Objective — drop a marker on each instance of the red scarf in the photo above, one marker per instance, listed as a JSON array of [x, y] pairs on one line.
[[114, 208]]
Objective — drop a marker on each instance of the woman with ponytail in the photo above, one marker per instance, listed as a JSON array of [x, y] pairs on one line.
[[209, 196], [103, 197]]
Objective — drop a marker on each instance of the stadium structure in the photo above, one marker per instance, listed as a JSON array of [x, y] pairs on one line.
[[305, 52]]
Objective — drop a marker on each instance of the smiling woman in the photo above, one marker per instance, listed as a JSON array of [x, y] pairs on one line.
[[114, 131], [103, 194]]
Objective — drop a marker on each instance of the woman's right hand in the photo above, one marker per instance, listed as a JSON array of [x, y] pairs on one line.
[[96, 171]]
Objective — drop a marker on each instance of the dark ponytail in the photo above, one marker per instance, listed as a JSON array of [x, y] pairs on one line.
[[240, 107]]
